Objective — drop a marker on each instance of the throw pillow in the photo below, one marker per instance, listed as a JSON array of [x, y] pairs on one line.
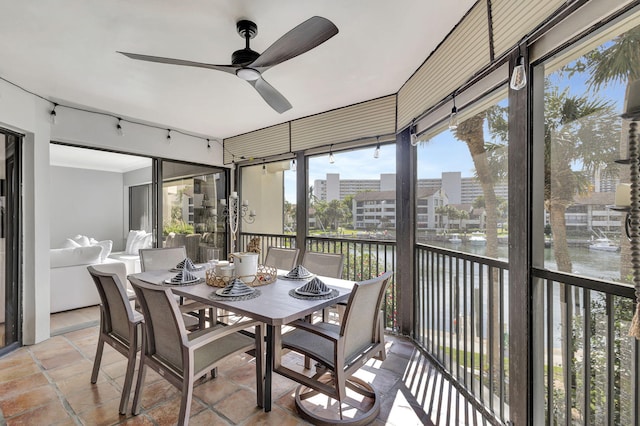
[[69, 243], [82, 240], [135, 241], [131, 237], [106, 246]]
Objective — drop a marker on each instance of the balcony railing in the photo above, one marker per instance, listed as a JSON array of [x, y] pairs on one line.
[[586, 370], [586, 365], [363, 259], [461, 321]]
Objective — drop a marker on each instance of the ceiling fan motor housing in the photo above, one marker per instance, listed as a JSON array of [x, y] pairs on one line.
[[244, 56]]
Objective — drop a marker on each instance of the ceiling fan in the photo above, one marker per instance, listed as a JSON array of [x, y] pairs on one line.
[[249, 64]]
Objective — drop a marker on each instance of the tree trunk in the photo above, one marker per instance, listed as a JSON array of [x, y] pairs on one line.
[[472, 132]]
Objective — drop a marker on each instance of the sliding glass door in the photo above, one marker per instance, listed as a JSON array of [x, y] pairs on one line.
[[190, 209], [10, 238]]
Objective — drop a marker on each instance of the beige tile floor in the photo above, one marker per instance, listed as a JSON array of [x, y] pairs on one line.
[[48, 383]]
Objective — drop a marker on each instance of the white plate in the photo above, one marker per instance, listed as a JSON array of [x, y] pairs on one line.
[[305, 293]]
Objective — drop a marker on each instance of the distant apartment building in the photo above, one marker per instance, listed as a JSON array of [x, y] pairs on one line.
[[377, 209], [333, 188], [374, 202], [459, 190]]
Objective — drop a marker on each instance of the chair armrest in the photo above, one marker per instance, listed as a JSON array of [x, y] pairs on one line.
[[319, 331], [205, 336]]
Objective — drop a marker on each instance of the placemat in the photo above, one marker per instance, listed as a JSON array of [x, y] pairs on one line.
[[214, 296], [334, 293]]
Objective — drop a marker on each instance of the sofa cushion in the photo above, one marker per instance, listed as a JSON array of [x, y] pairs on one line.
[[74, 256]]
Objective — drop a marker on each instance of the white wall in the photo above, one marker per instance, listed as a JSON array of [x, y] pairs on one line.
[[86, 202], [28, 114]]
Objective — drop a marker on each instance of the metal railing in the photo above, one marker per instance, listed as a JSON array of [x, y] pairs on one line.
[[586, 370], [363, 259], [585, 364], [461, 306]]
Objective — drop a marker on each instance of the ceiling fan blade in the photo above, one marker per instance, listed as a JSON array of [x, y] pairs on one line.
[[271, 95], [309, 34], [231, 69]]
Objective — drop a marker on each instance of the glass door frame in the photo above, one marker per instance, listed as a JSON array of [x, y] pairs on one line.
[[13, 232]]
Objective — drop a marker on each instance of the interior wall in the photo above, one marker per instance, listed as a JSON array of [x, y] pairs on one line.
[[29, 115], [86, 202]]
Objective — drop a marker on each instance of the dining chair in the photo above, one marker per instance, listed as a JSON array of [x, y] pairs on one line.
[[328, 265], [340, 351], [282, 258], [161, 258], [325, 264], [182, 357], [119, 326], [167, 258]]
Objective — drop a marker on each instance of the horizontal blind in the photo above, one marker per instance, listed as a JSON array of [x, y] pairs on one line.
[[463, 53], [364, 120], [513, 19], [258, 144]]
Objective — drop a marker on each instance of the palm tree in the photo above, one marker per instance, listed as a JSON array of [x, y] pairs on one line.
[[471, 131], [577, 130], [488, 168], [615, 62]]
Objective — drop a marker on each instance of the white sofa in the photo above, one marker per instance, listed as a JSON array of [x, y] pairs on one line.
[[71, 285]]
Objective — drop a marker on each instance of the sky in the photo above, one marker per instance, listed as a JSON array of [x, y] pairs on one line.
[[442, 153]]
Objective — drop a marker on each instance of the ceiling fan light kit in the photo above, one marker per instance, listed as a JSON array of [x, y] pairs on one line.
[[249, 65]]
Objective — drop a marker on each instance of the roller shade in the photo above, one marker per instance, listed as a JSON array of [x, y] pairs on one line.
[[372, 118], [513, 19], [462, 54], [486, 93], [261, 143]]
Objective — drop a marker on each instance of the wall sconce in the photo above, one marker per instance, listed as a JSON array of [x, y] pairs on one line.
[[232, 211]]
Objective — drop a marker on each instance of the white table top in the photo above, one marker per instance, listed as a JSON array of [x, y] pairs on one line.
[[274, 306]]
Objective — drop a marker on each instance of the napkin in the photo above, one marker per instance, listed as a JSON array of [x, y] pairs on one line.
[[299, 272], [184, 276], [237, 288], [186, 264], [315, 286]]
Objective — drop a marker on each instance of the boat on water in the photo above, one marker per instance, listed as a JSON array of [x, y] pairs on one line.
[[477, 239], [603, 244], [455, 239]]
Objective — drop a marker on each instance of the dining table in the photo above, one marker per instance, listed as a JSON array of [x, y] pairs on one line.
[[274, 304]]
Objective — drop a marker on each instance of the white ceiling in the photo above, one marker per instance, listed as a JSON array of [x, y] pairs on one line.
[[81, 158], [65, 51]]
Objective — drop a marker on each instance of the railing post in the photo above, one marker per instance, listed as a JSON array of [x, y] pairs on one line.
[[406, 176]]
